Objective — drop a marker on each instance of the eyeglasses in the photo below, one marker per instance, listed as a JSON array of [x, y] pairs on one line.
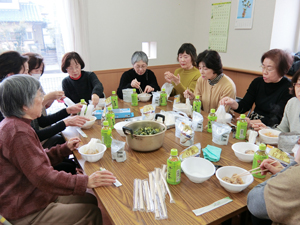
[[296, 85], [70, 69], [267, 68], [140, 67]]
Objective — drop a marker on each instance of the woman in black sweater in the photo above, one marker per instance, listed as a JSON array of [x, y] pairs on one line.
[[269, 93], [139, 76]]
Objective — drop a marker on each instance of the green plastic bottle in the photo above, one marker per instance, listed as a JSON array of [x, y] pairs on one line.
[[106, 134], [110, 117], [259, 156], [211, 117], [173, 168], [114, 100], [241, 128], [163, 97], [83, 102], [197, 104], [134, 98]]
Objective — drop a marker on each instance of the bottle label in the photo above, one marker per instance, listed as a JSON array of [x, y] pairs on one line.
[[111, 120], [163, 99], [173, 172], [197, 106], [257, 160], [210, 119], [114, 100], [134, 100], [106, 137], [241, 130]]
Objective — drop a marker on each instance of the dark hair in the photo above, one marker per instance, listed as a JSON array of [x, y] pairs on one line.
[[295, 78], [189, 49], [212, 61], [34, 61], [11, 62], [65, 62], [282, 59]]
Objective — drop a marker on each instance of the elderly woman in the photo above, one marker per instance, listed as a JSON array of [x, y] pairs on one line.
[[213, 85], [290, 121], [31, 191], [80, 84], [276, 200], [269, 92], [187, 75], [139, 76]]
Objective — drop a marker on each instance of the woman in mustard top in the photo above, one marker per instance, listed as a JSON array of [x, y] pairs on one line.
[[187, 75]]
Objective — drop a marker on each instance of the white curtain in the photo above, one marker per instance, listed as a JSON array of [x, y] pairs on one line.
[[73, 19]]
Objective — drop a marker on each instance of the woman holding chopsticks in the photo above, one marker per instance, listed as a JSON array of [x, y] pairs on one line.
[[277, 199], [139, 77]]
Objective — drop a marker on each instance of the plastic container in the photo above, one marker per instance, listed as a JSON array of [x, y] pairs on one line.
[[114, 100], [241, 128], [259, 156], [174, 168], [163, 97], [134, 98], [106, 134], [197, 104], [110, 117], [211, 117], [127, 94]]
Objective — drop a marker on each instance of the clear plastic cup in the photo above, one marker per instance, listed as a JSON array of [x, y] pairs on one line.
[[127, 94]]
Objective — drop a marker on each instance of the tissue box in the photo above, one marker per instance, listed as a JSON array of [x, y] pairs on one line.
[[119, 113]]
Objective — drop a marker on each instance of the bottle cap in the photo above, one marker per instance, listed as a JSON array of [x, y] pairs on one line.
[[197, 97], [109, 108], [105, 123], [134, 90], [212, 110], [82, 101], [163, 89], [174, 152], [113, 92], [262, 147], [242, 116]]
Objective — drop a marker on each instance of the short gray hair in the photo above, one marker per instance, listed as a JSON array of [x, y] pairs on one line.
[[138, 56], [17, 91]]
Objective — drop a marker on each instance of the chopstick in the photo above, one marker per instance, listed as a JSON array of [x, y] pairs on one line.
[[140, 89], [252, 171]]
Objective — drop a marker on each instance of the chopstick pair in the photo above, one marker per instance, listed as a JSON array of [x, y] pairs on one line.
[[140, 89], [253, 172]]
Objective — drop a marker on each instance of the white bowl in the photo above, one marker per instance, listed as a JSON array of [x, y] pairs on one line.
[[144, 97], [198, 169], [119, 126], [92, 157], [266, 139], [89, 124], [228, 171], [240, 148]]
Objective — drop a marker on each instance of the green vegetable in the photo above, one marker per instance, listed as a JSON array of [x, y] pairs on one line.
[[147, 131]]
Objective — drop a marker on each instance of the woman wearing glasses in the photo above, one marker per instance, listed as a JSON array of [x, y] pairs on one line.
[[269, 92], [80, 84], [290, 121], [139, 76]]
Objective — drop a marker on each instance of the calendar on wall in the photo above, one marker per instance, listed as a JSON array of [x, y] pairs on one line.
[[219, 26]]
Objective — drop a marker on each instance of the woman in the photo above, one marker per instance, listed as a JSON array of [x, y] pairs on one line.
[[31, 191], [290, 121], [277, 198], [139, 76], [269, 92], [80, 84], [213, 85], [186, 76]]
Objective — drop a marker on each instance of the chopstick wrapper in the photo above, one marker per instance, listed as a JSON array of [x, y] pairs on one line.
[[212, 206], [212, 153]]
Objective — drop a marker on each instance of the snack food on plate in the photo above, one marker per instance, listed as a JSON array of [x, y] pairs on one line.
[[278, 154]]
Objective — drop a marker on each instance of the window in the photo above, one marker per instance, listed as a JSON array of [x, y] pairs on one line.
[[150, 48]]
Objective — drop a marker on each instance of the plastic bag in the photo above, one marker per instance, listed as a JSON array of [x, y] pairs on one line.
[[176, 100], [168, 88], [220, 133], [178, 124], [155, 98], [186, 135], [221, 114], [192, 151], [197, 123], [118, 150], [148, 112]]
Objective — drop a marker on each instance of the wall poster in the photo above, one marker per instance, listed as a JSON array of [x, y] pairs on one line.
[[219, 26], [244, 18]]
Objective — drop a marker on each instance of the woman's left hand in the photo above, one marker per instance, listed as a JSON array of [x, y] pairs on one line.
[[95, 99], [148, 89], [73, 143], [74, 109], [176, 79]]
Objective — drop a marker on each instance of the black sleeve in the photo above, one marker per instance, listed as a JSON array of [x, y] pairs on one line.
[[96, 84], [1, 116], [50, 131], [153, 82], [247, 102], [45, 121], [125, 82]]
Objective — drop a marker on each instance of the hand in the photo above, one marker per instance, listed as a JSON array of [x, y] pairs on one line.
[[55, 95], [274, 168], [168, 75], [74, 109], [229, 101], [101, 178], [135, 84], [258, 126], [73, 143], [95, 100], [188, 94], [77, 121], [148, 89], [176, 79]]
